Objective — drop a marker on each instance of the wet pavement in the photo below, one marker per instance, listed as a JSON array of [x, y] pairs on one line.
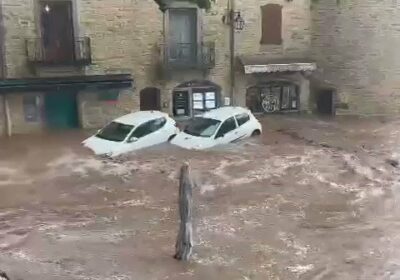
[[310, 199]]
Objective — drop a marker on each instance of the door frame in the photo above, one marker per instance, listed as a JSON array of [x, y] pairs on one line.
[[75, 16], [76, 105]]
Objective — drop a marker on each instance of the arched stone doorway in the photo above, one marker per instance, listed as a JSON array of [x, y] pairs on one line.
[[273, 97], [195, 97], [150, 99]]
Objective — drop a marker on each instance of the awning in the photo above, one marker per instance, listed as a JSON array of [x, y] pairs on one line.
[[261, 64], [71, 82]]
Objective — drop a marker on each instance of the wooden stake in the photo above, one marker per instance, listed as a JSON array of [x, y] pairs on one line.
[[184, 241], [3, 276]]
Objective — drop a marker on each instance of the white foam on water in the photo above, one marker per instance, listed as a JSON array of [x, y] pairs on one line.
[[300, 269]]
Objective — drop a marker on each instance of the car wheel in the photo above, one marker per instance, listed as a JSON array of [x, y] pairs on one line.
[[256, 132], [171, 137]]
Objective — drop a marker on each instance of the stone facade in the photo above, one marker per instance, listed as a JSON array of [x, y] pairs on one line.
[[355, 45], [126, 37]]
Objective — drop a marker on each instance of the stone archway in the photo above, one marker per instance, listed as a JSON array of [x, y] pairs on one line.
[[150, 99]]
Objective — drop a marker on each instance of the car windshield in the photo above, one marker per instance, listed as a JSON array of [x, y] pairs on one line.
[[115, 132], [202, 127]]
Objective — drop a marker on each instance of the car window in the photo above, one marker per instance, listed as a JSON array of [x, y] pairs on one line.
[[115, 131], [158, 123], [242, 119], [148, 127], [202, 127], [227, 126]]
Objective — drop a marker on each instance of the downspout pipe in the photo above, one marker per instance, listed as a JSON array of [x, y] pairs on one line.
[[232, 49]]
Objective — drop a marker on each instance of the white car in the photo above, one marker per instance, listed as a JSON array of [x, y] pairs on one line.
[[132, 132], [220, 126]]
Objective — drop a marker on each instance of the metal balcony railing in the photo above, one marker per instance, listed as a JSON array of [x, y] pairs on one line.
[[188, 55], [54, 53]]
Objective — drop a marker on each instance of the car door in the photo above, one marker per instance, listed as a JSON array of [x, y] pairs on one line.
[[245, 128], [147, 134], [227, 132]]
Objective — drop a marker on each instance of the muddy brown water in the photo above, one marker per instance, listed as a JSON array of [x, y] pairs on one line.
[[310, 199]]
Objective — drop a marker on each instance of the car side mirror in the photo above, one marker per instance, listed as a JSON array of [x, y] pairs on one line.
[[132, 139]]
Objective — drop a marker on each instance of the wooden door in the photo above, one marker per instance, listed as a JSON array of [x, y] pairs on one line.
[[57, 31], [150, 99]]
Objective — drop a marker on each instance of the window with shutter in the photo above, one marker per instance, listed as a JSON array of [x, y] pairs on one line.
[[271, 24]]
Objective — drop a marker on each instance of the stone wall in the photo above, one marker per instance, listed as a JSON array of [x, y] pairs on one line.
[[17, 115], [95, 113], [356, 47], [296, 29]]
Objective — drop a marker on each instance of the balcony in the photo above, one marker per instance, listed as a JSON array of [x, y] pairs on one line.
[[188, 56], [75, 53]]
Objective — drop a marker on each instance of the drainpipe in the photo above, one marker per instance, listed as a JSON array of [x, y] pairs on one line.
[[231, 11], [3, 72], [3, 69]]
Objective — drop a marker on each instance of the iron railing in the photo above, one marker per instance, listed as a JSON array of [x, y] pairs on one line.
[[188, 55], [76, 52]]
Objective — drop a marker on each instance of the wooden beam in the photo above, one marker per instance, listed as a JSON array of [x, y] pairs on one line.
[[184, 241]]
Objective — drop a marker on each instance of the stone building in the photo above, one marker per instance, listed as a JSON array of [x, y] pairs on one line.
[[74, 63], [355, 43]]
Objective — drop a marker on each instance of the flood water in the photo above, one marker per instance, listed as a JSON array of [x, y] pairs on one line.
[[309, 199]]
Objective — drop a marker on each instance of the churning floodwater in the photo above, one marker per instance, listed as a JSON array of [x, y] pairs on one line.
[[309, 199]]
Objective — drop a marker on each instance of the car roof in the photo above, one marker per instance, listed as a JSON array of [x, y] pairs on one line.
[[224, 113], [140, 117]]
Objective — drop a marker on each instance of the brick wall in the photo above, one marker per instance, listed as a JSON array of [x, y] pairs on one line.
[[356, 47]]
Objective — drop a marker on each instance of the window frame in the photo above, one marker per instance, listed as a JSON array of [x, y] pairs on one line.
[[239, 115], [35, 106], [218, 134], [148, 123]]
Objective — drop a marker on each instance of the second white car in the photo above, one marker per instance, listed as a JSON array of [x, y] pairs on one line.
[[217, 127]]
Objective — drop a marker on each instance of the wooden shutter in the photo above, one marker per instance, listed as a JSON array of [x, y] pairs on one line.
[[271, 24]]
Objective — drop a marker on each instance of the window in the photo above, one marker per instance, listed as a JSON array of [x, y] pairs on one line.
[[202, 127], [115, 132], [227, 126], [182, 35], [148, 127], [273, 97], [203, 101], [242, 119], [271, 27], [31, 105]]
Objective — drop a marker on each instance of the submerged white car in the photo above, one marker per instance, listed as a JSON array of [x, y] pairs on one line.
[[220, 126], [132, 132]]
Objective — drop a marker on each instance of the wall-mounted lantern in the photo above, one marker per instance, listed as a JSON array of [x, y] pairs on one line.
[[238, 21], [235, 20]]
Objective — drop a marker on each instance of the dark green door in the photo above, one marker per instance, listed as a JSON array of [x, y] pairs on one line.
[[61, 110]]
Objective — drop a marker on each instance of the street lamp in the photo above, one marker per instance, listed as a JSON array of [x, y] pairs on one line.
[[235, 20], [238, 21]]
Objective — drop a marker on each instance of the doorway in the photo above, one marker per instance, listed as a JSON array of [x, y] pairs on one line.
[[325, 102], [183, 35], [57, 31], [61, 110], [150, 99]]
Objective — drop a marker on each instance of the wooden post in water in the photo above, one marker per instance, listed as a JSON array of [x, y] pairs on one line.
[[3, 276], [184, 241]]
